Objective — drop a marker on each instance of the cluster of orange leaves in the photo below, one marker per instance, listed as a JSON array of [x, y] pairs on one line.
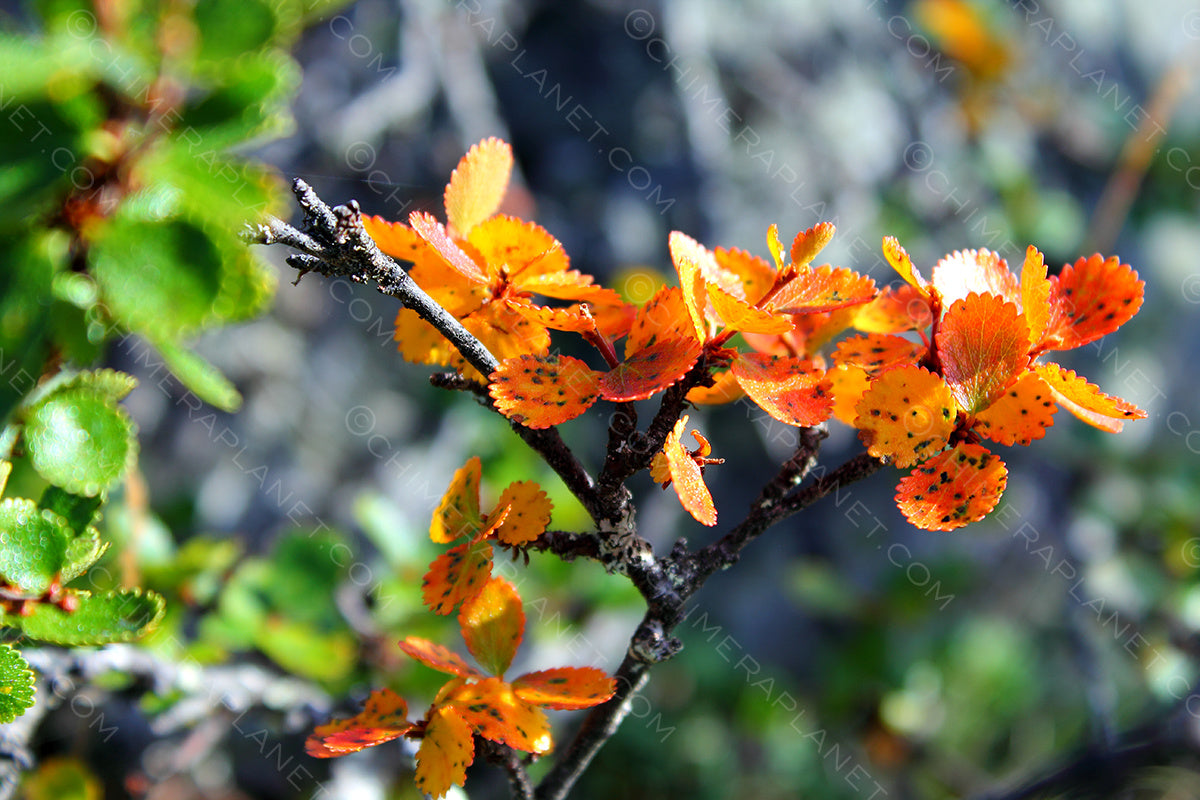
[[937, 364], [490, 616]]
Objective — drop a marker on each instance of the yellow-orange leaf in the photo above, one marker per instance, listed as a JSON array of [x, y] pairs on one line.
[[1035, 294], [898, 257], [725, 389], [541, 391], [791, 390], [570, 318], [565, 688], [739, 315], [420, 342], [458, 512], [687, 477], [478, 184], [874, 352], [456, 575], [775, 245], [848, 384], [434, 655], [895, 309], [446, 751], [952, 489], [383, 718], [435, 235], [496, 713], [1021, 414], [983, 345], [907, 415], [808, 243], [687, 255], [650, 371], [823, 288], [1086, 401], [980, 271], [521, 251], [394, 238], [1090, 299], [757, 276], [664, 316], [492, 623], [528, 515]]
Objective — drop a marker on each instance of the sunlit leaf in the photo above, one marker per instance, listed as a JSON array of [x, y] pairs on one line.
[[791, 390], [383, 718], [687, 255], [823, 288], [898, 257], [808, 243], [983, 344], [757, 276], [493, 623], [522, 251], [907, 415], [848, 384], [395, 238], [664, 316], [541, 391], [478, 184], [529, 513], [687, 477], [739, 315], [16, 684], [1035, 294], [34, 545], [435, 235], [456, 575], [980, 271], [1086, 401], [650, 371], [565, 688], [775, 246], [458, 512], [572, 318], [1090, 299], [434, 655], [952, 489], [496, 713], [874, 352], [80, 440], [1021, 414], [101, 618], [725, 389], [447, 749], [895, 309], [420, 342]]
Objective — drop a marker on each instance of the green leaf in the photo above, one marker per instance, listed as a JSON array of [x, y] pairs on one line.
[[83, 550], [251, 99], [33, 545], [303, 650], [201, 377], [115, 385], [60, 778], [97, 619], [229, 28], [30, 263], [158, 278], [80, 440], [16, 684], [84, 546]]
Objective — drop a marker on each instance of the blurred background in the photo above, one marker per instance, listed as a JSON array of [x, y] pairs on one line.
[[848, 655]]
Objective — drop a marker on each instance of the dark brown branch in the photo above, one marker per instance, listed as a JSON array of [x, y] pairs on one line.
[[506, 758]]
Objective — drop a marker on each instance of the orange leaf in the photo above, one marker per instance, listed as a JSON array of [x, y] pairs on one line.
[[895, 309], [506, 332], [520, 251], [757, 276], [898, 257], [725, 389], [435, 235], [739, 315], [874, 352], [456, 575], [528, 515], [420, 342], [478, 184], [823, 288], [952, 489], [907, 415], [1035, 294], [1091, 299], [458, 512], [848, 384], [492, 623], [983, 344], [650, 371], [688, 477], [789, 389], [979, 271], [688, 254], [394, 238], [1086, 401], [434, 655], [496, 713], [383, 718], [447, 748], [1021, 414], [541, 391], [664, 316], [565, 688], [808, 243]]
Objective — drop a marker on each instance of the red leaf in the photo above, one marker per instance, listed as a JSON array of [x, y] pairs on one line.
[[528, 515], [447, 748], [1021, 414], [980, 271], [791, 390], [432, 232], [565, 688], [952, 489], [688, 477], [907, 415], [383, 718], [1086, 401], [983, 345], [664, 316], [1091, 299], [874, 352], [650, 371], [434, 655], [493, 623], [478, 184], [496, 713], [823, 288], [456, 575], [541, 391]]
